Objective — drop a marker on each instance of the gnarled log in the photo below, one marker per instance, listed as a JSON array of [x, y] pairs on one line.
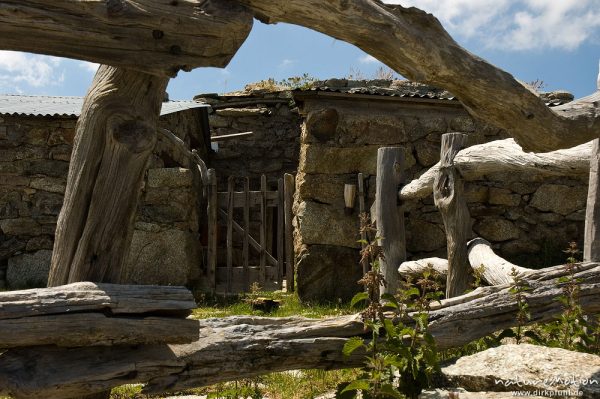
[[156, 37], [475, 162], [246, 346], [417, 46]]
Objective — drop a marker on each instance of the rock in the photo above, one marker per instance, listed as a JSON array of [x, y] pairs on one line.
[[326, 189], [523, 188], [495, 229], [476, 193], [502, 196], [328, 273], [28, 270], [559, 198], [428, 154], [40, 242], [20, 227], [50, 184], [383, 129], [217, 121], [527, 368], [169, 177], [549, 218], [241, 112], [169, 257], [518, 247], [45, 203], [322, 123], [422, 236], [463, 124], [47, 167], [327, 225]]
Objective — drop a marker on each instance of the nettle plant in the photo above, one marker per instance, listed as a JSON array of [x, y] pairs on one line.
[[401, 354]]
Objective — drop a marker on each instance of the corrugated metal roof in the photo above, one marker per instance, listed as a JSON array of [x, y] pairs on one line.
[[14, 104]]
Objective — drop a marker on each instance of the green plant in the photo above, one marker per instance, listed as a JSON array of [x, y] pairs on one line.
[[303, 82], [247, 388], [518, 289], [401, 355]]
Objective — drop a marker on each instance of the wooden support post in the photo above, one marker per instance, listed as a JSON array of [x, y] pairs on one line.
[[390, 220], [212, 229], [246, 249], [448, 196], [263, 229], [288, 187], [361, 208], [280, 233], [230, 190], [591, 245]]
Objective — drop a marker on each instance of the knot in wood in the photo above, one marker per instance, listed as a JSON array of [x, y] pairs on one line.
[[136, 135], [115, 8]]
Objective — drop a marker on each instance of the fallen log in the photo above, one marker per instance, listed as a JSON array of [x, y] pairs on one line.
[[475, 162], [494, 270], [239, 347], [84, 314]]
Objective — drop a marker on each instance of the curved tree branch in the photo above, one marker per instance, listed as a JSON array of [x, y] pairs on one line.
[[416, 45]]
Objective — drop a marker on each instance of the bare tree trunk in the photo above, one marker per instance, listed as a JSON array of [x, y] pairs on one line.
[[246, 346], [591, 246], [494, 269], [448, 196], [115, 136], [390, 219]]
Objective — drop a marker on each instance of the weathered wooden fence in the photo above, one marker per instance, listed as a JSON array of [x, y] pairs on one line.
[[271, 261]]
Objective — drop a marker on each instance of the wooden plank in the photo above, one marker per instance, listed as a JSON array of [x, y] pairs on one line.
[[390, 220], [240, 230], [246, 249], [288, 187], [230, 188], [362, 210], [233, 136], [591, 245], [280, 233], [448, 196], [239, 197], [263, 227], [212, 229]]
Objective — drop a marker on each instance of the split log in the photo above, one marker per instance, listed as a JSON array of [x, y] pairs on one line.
[[591, 245], [390, 219], [159, 38], [88, 314], [417, 46], [448, 196], [495, 270], [115, 137], [504, 156], [247, 346]]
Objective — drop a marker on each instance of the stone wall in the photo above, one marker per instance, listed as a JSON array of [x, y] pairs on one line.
[[34, 161], [273, 148], [526, 221]]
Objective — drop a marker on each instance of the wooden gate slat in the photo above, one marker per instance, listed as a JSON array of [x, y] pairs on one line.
[[230, 188], [263, 227], [280, 233], [246, 254], [211, 251], [288, 188]]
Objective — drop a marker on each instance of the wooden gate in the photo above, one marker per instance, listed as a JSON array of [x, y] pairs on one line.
[[244, 259]]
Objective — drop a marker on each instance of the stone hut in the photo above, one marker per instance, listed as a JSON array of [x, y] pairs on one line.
[[36, 138]]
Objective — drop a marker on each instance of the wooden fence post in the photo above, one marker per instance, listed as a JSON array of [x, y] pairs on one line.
[[288, 188], [230, 193], [280, 232], [448, 196], [591, 245], [212, 221], [263, 229], [390, 220], [246, 247]]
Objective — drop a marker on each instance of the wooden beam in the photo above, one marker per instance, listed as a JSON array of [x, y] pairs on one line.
[[448, 196], [591, 245], [225, 137], [230, 188], [280, 233], [154, 37], [288, 187], [246, 243], [213, 225], [263, 228], [390, 219]]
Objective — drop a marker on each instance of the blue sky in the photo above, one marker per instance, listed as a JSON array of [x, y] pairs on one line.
[[557, 42]]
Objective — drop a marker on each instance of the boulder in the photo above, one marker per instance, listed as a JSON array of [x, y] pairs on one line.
[[428, 154], [29, 270], [169, 177], [559, 199], [326, 224], [502, 196], [527, 367], [328, 273], [169, 257], [422, 236]]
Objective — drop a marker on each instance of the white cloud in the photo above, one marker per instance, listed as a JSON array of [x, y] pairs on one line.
[[89, 66], [286, 62], [17, 69], [368, 59], [517, 24]]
